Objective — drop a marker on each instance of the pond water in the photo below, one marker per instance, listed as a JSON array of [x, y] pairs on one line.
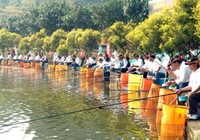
[[41, 105]]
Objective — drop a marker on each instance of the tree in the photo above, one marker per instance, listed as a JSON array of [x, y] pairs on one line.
[[70, 41], [136, 10], [87, 40], [24, 45], [37, 40], [52, 43], [197, 17], [8, 39], [108, 13], [78, 17], [51, 14], [115, 35], [184, 16]]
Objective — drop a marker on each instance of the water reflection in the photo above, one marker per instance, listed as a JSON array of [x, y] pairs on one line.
[[60, 105]]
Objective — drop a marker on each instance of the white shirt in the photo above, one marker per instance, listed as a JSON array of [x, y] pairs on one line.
[[155, 65], [124, 62], [1, 56], [147, 64], [63, 59], [99, 65], [37, 57], [25, 57], [78, 61], [194, 79], [113, 61], [30, 58], [90, 60], [183, 74], [55, 58], [9, 57], [44, 58], [69, 59], [20, 57], [138, 62], [15, 57]]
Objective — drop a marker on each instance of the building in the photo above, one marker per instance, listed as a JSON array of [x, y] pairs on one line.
[[157, 5]]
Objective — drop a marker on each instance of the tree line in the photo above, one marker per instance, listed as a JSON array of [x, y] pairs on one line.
[[119, 23]]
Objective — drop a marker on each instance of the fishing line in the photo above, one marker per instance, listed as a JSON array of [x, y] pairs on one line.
[[83, 110], [121, 36]]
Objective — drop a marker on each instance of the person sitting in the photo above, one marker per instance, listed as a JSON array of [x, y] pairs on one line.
[[90, 62], [30, 58], [76, 62], [146, 66], [9, 57], [1, 58], [56, 58], [100, 63], [25, 58], [36, 58], [15, 57], [179, 72], [124, 63], [20, 57], [138, 63], [193, 88], [68, 60], [43, 59], [62, 60], [155, 69]]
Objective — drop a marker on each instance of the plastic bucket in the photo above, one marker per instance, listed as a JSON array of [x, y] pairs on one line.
[[98, 74], [168, 99]]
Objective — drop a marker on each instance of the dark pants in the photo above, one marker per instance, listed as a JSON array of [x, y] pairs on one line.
[[43, 63], [158, 76], [182, 85], [194, 99], [75, 66], [91, 66]]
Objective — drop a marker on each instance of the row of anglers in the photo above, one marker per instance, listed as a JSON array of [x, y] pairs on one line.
[[147, 64], [184, 75]]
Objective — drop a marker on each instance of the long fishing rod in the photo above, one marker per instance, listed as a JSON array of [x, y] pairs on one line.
[[121, 36], [104, 98], [83, 110]]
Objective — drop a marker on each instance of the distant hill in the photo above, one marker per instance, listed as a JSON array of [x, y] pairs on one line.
[[16, 7]]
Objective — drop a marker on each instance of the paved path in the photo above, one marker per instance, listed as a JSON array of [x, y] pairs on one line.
[[193, 130]]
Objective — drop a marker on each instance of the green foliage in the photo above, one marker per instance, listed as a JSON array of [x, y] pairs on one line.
[[54, 41], [37, 40], [136, 10], [70, 41], [168, 31], [87, 40], [197, 17], [115, 35], [107, 14], [24, 44], [184, 17], [8, 39], [78, 17]]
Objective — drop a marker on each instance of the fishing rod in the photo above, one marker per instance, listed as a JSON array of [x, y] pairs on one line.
[[82, 110], [68, 91], [121, 36]]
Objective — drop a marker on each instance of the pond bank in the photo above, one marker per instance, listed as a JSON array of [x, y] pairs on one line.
[[193, 130]]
